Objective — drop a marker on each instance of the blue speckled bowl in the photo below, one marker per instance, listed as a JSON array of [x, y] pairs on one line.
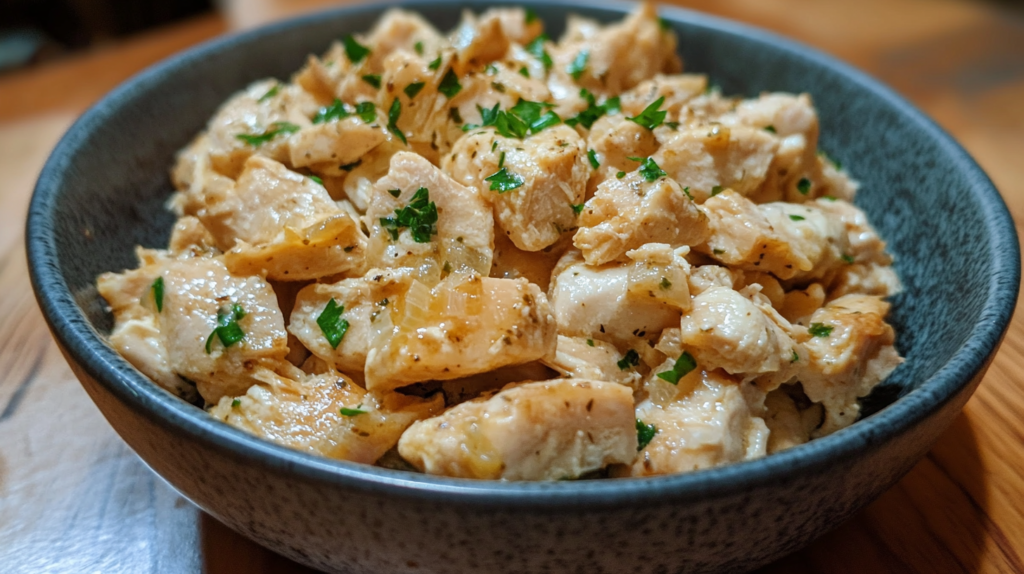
[[101, 193]]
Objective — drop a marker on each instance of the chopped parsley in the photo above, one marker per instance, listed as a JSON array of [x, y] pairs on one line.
[[716, 190], [770, 129], [578, 64], [524, 118], [644, 434], [536, 115], [797, 217], [650, 170], [504, 180], [335, 111], [804, 186], [227, 329], [347, 412], [418, 46], [795, 358], [592, 156], [420, 216], [664, 25], [351, 166], [524, 72], [665, 283], [501, 158], [578, 209], [684, 364], [849, 259], [393, 114], [536, 48], [651, 118], [435, 63], [531, 16], [449, 85], [590, 342], [686, 190], [630, 359], [158, 293], [354, 50], [412, 89], [367, 111], [331, 323], [276, 129], [455, 115], [620, 175], [373, 80], [270, 93], [316, 179], [236, 403], [587, 117], [820, 330], [395, 192]]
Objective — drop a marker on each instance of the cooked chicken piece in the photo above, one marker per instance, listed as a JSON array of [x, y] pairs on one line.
[[533, 184], [190, 237], [595, 302], [283, 225], [835, 182], [701, 422], [629, 212], [547, 430], [709, 159], [364, 305], [462, 327], [865, 279], [678, 91], [329, 146], [614, 140], [510, 262], [618, 56], [790, 241], [707, 276], [519, 25], [745, 337], [790, 424], [359, 181], [449, 226], [660, 273], [401, 30], [328, 415], [258, 120], [422, 109], [865, 246], [579, 358], [850, 350], [798, 304], [478, 41]]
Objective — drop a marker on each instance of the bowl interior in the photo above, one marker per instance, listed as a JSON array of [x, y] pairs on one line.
[[103, 190]]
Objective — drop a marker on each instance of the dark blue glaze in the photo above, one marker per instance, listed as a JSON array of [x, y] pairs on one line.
[[101, 193]]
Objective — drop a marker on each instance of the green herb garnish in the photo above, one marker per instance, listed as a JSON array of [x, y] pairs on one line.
[[797, 217], [455, 115], [158, 293], [620, 175], [578, 64], [449, 85], [820, 330], [644, 434], [524, 72], [435, 63], [412, 89], [420, 216], [504, 180], [395, 192], [331, 324], [630, 359], [276, 129], [367, 111], [373, 80], [684, 364], [849, 259], [393, 114], [795, 358], [354, 50], [316, 179], [227, 329], [716, 190], [665, 283], [578, 209], [335, 111], [804, 186], [686, 190], [270, 93], [418, 46], [770, 129], [236, 403], [347, 412], [651, 118], [536, 115], [592, 156], [536, 48], [590, 342], [650, 170]]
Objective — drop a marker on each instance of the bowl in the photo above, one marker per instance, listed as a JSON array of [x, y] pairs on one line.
[[102, 190]]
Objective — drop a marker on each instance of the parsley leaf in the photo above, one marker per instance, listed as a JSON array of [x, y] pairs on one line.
[[578, 64], [418, 46], [820, 330], [644, 434], [276, 129], [578, 209], [592, 156], [270, 93], [347, 412], [620, 175], [335, 111], [367, 111], [393, 114], [435, 63], [684, 364], [651, 118], [395, 192], [587, 117], [650, 170], [665, 283], [716, 190], [797, 217], [420, 216], [235, 403], [537, 115], [455, 115], [412, 89], [449, 85], [524, 72], [227, 329], [331, 324], [317, 179], [373, 80], [849, 259], [796, 357], [354, 50], [504, 180], [590, 342], [770, 129], [536, 48], [686, 190], [631, 359], [804, 186], [158, 293]]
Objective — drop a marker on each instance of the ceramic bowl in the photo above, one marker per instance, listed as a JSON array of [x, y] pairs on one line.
[[102, 190]]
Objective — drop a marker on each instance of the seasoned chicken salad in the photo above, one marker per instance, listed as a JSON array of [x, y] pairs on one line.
[[494, 255]]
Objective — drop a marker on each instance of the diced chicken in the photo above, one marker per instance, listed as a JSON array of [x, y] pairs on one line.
[[619, 56], [519, 25], [661, 273], [789, 423], [726, 330], [535, 189], [282, 224], [798, 304], [326, 146], [596, 360], [194, 178], [328, 415], [366, 304], [708, 159], [834, 181], [702, 422], [190, 237], [707, 276], [869, 270], [402, 30], [628, 212], [614, 140], [462, 327], [359, 181], [461, 238], [850, 350], [790, 241], [678, 90], [595, 302], [478, 41], [547, 430]]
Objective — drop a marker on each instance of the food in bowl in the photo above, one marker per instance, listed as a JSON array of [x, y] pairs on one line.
[[491, 255]]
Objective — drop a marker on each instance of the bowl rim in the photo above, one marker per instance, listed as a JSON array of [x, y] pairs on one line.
[[86, 347]]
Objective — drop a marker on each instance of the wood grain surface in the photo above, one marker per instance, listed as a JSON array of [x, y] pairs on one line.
[[74, 498]]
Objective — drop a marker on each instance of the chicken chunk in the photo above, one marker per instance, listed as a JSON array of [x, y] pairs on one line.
[[547, 430], [518, 24], [702, 422], [596, 360], [596, 302], [661, 273], [462, 327], [365, 305], [614, 141], [850, 348], [790, 241], [790, 417], [418, 215], [328, 415], [329, 146], [677, 89], [711, 158], [629, 212], [195, 179], [478, 41], [282, 224]]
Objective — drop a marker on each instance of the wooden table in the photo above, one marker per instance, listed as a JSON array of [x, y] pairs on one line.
[[74, 498]]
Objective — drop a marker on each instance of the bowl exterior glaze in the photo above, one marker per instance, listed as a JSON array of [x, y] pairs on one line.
[[102, 192]]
